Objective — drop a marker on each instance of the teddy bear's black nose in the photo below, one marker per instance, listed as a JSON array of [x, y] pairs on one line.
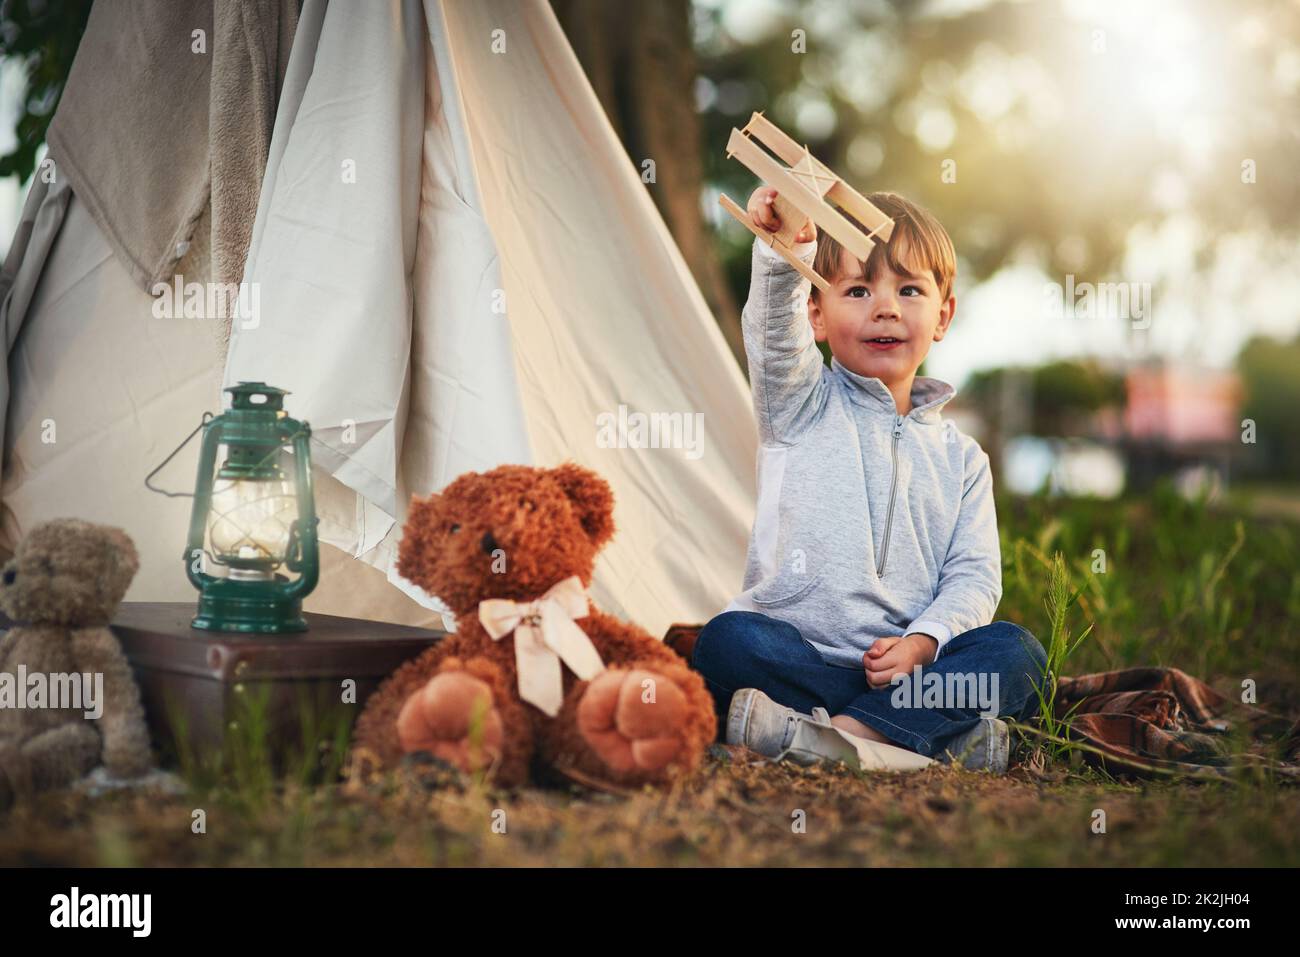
[[10, 575], [489, 542]]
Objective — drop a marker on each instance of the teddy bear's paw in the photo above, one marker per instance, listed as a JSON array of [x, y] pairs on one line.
[[633, 720], [453, 718]]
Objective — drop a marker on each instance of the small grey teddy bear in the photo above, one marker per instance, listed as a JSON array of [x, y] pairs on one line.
[[62, 588]]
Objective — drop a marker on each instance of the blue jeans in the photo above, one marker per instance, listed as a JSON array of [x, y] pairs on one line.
[[743, 649]]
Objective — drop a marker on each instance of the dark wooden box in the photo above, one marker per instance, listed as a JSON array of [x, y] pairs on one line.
[[194, 683]]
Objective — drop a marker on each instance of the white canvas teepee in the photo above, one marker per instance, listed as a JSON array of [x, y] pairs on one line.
[[456, 266], [545, 290]]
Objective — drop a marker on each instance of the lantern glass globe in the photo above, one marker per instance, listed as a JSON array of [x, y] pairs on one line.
[[249, 520]]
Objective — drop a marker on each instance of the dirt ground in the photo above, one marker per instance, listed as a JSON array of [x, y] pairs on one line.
[[739, 810]]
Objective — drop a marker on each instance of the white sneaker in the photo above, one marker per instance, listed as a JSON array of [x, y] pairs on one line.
[[775, 731], [985, 747]]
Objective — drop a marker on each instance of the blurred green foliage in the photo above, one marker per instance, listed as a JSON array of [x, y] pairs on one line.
[[1066, 126], [1165, 581], [1061, 394], [43, 35], [1270, 376]]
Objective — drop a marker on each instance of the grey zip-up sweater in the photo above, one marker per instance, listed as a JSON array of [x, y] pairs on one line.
[[869, 524]]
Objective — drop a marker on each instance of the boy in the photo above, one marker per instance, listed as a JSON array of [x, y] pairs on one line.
[[874, 563]]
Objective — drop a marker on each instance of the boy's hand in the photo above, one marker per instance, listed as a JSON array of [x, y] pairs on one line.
[[763, 212], [897, 655]]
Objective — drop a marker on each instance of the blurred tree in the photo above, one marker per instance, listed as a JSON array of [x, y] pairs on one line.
[[1050, 401], [1269, 378], [1049, 130], [641, 62], [43, 35], [1057, 397]]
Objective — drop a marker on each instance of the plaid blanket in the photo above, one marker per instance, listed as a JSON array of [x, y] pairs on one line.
[[1145, 721], [1152, 722]]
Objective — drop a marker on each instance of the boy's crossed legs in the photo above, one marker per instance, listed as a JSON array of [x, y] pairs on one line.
[[741, 649]]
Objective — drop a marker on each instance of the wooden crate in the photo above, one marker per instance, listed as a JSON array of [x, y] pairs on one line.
[[194, 683]]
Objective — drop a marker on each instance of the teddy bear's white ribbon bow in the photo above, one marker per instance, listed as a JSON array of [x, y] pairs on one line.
[[545, 634]]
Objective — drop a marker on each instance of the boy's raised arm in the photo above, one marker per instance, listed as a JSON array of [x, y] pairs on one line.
[[970, 581], [785, 366]]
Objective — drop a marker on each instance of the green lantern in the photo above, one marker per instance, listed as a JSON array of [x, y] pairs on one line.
[[253, 516]]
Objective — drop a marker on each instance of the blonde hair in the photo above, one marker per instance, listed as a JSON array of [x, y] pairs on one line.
[[919, 243]]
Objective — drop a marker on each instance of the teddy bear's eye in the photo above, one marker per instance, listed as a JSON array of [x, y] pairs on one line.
[[455, 527]]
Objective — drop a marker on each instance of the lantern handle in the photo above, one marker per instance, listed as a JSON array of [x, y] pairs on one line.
[[207, 417], [304, 558]]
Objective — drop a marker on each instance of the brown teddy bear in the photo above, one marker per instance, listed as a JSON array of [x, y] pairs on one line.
[[534, 673], [64, 584]]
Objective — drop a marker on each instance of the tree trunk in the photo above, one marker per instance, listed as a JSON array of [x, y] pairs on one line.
[[641, 63]]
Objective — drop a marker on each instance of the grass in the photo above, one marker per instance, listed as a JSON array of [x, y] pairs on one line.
[[1152, 581], [736, 812], [1054, 745], [1164, 581]]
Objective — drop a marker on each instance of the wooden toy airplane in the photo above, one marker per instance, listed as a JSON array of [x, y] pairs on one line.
[[802, 189]]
